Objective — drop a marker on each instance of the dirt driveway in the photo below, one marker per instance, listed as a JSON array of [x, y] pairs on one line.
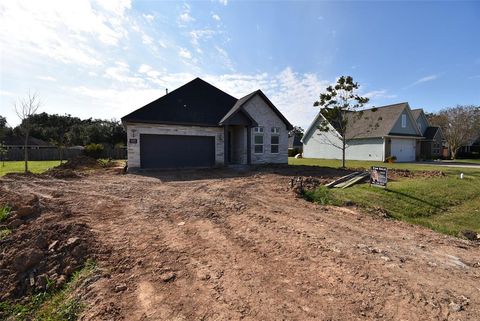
[[226, 245]]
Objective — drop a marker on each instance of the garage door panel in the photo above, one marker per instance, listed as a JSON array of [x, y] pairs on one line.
[[175, 151], [403, 149]]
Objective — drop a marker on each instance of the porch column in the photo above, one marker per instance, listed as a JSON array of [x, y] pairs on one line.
[[249, 143], [225, 145]]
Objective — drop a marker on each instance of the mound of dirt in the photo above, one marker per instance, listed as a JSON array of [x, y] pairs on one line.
[[43, 249], [408, 173], [80, 162], [64, 173]]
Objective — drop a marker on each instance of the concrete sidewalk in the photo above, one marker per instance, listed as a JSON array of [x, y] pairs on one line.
[[447, 163]]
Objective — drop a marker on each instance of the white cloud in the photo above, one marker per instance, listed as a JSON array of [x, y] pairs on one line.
[[196, 35], [224, 2], [147, 70], [377, 94], [121, 73], [225, 58], [116, 102], [162, 44], [186, 17], [425, 79], [116, 6], [47, 78], [216, 17], [147, 40], [149, 17], [67, 31], [184, 53]]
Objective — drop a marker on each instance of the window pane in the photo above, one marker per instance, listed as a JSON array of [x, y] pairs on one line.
[[274, 149], [258, 148], [259, 139], [275, 139]]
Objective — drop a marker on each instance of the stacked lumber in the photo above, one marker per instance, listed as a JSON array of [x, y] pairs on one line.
[[349, 180]]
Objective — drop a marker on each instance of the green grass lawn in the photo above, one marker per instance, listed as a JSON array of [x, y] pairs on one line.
[[446, 204], [33, 166]]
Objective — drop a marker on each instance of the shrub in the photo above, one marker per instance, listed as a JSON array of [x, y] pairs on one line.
[[293, 152], [94, 150], [391, 159], [321, 195], [4, 212]]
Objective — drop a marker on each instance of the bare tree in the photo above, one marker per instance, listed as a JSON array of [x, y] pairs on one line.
[[460, 125], [25, 109]]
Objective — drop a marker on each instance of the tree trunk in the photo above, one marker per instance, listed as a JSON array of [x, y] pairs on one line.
[[453, 153], [25, 149], [343, 152]]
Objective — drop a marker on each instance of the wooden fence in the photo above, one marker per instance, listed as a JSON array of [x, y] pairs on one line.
[[17, 154]]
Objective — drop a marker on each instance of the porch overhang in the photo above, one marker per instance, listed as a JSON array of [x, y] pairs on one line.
[[239, 118]]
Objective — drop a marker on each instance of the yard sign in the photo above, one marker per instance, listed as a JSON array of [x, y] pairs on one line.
[[378, 176]]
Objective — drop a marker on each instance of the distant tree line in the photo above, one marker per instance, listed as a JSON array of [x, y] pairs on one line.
[[65, 130]]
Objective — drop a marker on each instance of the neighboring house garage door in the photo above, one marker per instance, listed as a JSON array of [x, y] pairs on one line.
[[173, 151], [403, 149]]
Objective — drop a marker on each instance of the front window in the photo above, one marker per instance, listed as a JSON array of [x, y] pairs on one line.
[[258, 140], [274, 140]]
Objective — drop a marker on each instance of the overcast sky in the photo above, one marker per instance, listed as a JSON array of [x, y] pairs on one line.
[[104, 59]]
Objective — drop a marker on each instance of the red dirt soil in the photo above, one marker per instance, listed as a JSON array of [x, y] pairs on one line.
[[231, 245]]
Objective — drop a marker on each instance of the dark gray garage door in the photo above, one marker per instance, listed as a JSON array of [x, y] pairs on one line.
[[173, 151]]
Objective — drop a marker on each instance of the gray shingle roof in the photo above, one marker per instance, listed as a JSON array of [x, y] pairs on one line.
[[416, 113], [373, 122]]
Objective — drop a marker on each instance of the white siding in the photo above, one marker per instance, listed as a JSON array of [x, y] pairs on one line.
[[318, 144], [140, 128], [267, 118]]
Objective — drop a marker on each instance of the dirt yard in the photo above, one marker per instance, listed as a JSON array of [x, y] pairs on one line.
[[233, 245]]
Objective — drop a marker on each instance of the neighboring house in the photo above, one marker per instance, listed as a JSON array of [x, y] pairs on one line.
[[379, 133], [472, 147], [432, 144], [13, 141], [295, 143], [199, 125]]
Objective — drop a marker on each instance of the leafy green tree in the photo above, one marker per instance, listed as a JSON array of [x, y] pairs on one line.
[[340, 105], [296, 131], [3, 128]]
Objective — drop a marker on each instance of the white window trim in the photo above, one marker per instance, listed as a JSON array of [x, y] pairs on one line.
[[404, 121], [275, 132], [258, 131]]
